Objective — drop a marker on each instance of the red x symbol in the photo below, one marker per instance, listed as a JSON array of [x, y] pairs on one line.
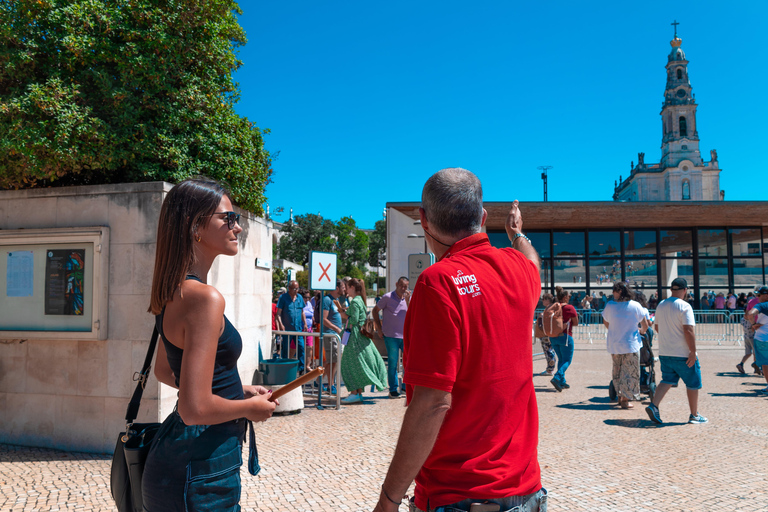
[[325, 272]]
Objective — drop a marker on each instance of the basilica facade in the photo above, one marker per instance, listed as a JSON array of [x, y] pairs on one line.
[[682, 174]]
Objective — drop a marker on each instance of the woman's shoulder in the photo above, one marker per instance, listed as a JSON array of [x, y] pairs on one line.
[[197, 295]]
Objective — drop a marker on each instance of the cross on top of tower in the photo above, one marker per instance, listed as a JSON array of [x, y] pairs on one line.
[[675, 23]]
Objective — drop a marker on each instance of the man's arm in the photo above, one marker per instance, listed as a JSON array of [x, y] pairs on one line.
[[690, 340], [514, 226], [279, 319], [644, 325], [328, 323], [376, 319], [421, 424]]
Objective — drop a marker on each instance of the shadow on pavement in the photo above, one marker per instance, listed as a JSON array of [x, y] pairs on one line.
[[645, 424], [585, 406], [12, 453], [745, 394], [735, 374], [597, 387], [545, 389]]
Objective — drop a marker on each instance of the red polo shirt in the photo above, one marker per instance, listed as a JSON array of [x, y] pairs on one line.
[[468, 332]]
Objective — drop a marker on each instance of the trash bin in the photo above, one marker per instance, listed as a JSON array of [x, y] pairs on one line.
[[278, 371]]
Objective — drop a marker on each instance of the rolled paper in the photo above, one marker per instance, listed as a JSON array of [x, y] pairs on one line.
[[307, 377]]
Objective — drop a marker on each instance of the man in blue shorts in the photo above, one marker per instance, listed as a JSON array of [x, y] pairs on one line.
[[677, 351], [758, 317]]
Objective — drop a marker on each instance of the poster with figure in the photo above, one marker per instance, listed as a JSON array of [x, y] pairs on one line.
[[64, 271], [19, 274]]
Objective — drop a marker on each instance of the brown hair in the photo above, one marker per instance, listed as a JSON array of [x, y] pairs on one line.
[[623, 289], [561, 294], [359, 287], [187, 207]]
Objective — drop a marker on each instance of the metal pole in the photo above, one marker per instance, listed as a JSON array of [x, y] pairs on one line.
[[320, 340], [544, 169]]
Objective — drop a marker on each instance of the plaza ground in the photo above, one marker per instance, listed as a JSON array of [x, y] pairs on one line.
[[594, 456]]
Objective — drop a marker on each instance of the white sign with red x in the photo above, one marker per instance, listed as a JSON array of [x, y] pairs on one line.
[[322, 270]]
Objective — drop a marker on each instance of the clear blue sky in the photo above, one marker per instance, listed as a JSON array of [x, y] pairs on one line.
[[365, 100]]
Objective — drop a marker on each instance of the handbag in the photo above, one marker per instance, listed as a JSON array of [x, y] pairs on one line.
[[133, 445]]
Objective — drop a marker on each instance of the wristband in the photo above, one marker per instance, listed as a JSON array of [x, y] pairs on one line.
[[520, 235], [387, 496]]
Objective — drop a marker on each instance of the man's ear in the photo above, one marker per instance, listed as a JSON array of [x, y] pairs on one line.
[[485, 217], [423, 217]]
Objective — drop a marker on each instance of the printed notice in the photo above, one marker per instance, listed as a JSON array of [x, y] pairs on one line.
[[64, 271], [19, 274]]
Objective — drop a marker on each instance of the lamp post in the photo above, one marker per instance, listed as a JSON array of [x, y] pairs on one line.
[[544, 169]]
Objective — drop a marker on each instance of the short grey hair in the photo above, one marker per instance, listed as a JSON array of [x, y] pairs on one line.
[[453, 202]]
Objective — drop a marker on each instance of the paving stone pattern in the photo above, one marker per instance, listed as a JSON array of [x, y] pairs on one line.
[[594, 456]]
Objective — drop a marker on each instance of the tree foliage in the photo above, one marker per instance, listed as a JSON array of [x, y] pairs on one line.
[[109, 91], [377, 244], [312, 232]]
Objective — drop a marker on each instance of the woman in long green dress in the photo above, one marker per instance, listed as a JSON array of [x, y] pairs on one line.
[[361, 363]]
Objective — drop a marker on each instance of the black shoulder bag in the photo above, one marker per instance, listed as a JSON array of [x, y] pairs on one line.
[[133, 445]]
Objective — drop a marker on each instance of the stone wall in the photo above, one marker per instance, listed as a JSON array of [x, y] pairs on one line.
[[72, 394]]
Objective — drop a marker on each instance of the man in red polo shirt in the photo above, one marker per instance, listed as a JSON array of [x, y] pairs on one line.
[[471, 429]]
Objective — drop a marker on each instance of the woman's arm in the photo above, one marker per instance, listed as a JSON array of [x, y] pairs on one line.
[[200, 315], [356, 313], [644, 325]]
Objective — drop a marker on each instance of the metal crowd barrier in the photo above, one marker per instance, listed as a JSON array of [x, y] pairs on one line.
[[336, 347], [712, 326]]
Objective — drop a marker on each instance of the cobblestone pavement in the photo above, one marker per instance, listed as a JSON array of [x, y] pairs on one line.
[[594, 456]]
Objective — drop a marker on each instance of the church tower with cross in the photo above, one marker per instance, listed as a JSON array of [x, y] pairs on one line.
[[682, 174]]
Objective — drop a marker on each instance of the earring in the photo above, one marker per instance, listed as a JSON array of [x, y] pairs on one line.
[[198, 237]]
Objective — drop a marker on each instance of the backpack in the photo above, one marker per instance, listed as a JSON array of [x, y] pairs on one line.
[[553, 320]]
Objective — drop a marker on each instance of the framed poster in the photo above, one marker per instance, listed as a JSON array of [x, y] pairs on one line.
[[56, 283]]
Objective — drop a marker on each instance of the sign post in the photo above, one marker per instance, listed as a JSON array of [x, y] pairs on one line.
[[322, 276], [417, 263]]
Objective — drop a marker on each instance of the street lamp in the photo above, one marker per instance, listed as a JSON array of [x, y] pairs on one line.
[[414, 235], [544, 169]]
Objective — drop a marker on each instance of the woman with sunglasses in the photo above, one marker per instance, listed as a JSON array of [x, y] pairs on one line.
[[195, 459]]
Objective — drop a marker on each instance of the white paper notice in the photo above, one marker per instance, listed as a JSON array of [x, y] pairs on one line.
[[20, 274]]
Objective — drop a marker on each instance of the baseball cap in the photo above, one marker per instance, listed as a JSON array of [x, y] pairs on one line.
[[762, 290], [281, 290], [679, 284]]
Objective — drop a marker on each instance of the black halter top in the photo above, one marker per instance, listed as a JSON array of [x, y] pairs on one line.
[[226, 379]]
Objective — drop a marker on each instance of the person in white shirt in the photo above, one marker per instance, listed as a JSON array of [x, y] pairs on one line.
[[677, 351]]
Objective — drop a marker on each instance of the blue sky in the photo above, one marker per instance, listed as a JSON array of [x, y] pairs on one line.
[[365, 100]]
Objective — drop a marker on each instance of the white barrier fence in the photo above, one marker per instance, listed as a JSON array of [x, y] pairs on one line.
[[713, 327]]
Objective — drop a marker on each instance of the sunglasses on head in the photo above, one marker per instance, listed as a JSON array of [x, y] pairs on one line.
[[232, 218]]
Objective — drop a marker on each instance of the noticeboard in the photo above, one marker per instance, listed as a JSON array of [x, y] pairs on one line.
[[53, 283], [322, 270]]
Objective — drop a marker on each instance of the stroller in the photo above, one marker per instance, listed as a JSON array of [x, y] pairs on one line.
[[647, 368]]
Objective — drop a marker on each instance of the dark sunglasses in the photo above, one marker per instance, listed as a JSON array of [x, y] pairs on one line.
[[232, 218]]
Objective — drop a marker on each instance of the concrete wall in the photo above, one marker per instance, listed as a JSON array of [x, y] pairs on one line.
[[72, 394], [399, 246]]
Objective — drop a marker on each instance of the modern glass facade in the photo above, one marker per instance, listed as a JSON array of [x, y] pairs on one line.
[[711, 259]]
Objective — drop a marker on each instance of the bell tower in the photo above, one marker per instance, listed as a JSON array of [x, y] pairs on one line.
[[680, 136]]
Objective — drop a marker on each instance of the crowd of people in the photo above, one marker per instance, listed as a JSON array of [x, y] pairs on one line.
[[464, 453]]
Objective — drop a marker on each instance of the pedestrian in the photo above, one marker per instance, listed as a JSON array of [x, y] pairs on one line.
[[290, 308], [332, 321], [393, 307], [749, 337], [546, 346], [361, 363], [563, 344], [470, 431], [758, 316], [625, 320], [195, 458], [675, 323]]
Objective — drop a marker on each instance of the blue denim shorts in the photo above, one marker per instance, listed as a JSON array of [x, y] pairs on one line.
[[674, 368], [761, 352]]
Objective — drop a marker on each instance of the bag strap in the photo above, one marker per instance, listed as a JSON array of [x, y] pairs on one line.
[[141, 377]]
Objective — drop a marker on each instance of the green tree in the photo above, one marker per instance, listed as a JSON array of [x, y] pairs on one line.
[[352, 248], [377, 244], [306, 233], [108, 91], [279, 280]]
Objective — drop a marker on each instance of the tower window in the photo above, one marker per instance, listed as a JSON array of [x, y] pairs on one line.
[[679, 74], [686, 189], [683, 127]]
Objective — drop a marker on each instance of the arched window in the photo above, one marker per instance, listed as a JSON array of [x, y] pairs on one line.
[[683, 127], [686, 189], [679, 74]]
